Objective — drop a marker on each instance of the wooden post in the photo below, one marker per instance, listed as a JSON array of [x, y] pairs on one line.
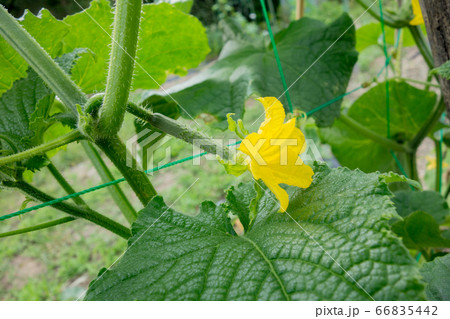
[[436, 14], [299, 9]]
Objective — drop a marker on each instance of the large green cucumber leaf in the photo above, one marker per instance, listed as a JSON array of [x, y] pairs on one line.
[[407, 202], [91, 29], [26, 110], [436, 274], [172, 256], [170, 41], [318, 58], [409, 109]]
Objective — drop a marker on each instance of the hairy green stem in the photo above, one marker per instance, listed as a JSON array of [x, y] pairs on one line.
[[422, 44], [38, 227], [397, 65], [383, 141], [428, 125], [180, 131], [115, 190], [412, 162], [126, 163], [438, 150], [65, 184], [125, 37], [427, 84], [76, 211], [70, 137], [52, 74]]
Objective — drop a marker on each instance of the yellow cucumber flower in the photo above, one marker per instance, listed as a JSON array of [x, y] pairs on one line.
[[418, 18], [274, 152], [432, 163]]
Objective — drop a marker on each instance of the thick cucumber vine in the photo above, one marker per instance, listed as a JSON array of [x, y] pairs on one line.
[[120, 73]]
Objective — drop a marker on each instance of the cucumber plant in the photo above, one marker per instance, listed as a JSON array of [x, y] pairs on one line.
[[350, 235]]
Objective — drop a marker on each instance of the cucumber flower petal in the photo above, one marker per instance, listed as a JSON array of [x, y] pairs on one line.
[[274, 152], [418, 18]]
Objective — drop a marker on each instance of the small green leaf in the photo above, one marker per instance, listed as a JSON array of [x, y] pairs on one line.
[[170, 41], [26, 110], [237, 128], [232, 125], [392, 177], [436, 274], [17, 106], [246, 69], [420, 230], [239, 201], [407, 202], [172, 256], [409, 109], [237, 165], [443, 70]]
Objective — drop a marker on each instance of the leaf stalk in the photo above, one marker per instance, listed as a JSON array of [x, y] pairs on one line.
[[426, 83], [70, 209], [115, 190], [438, 181], [70, 137], [180, 131], [383, 141], [65, 184], [428, 125], [38, 227], [422, 45]]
